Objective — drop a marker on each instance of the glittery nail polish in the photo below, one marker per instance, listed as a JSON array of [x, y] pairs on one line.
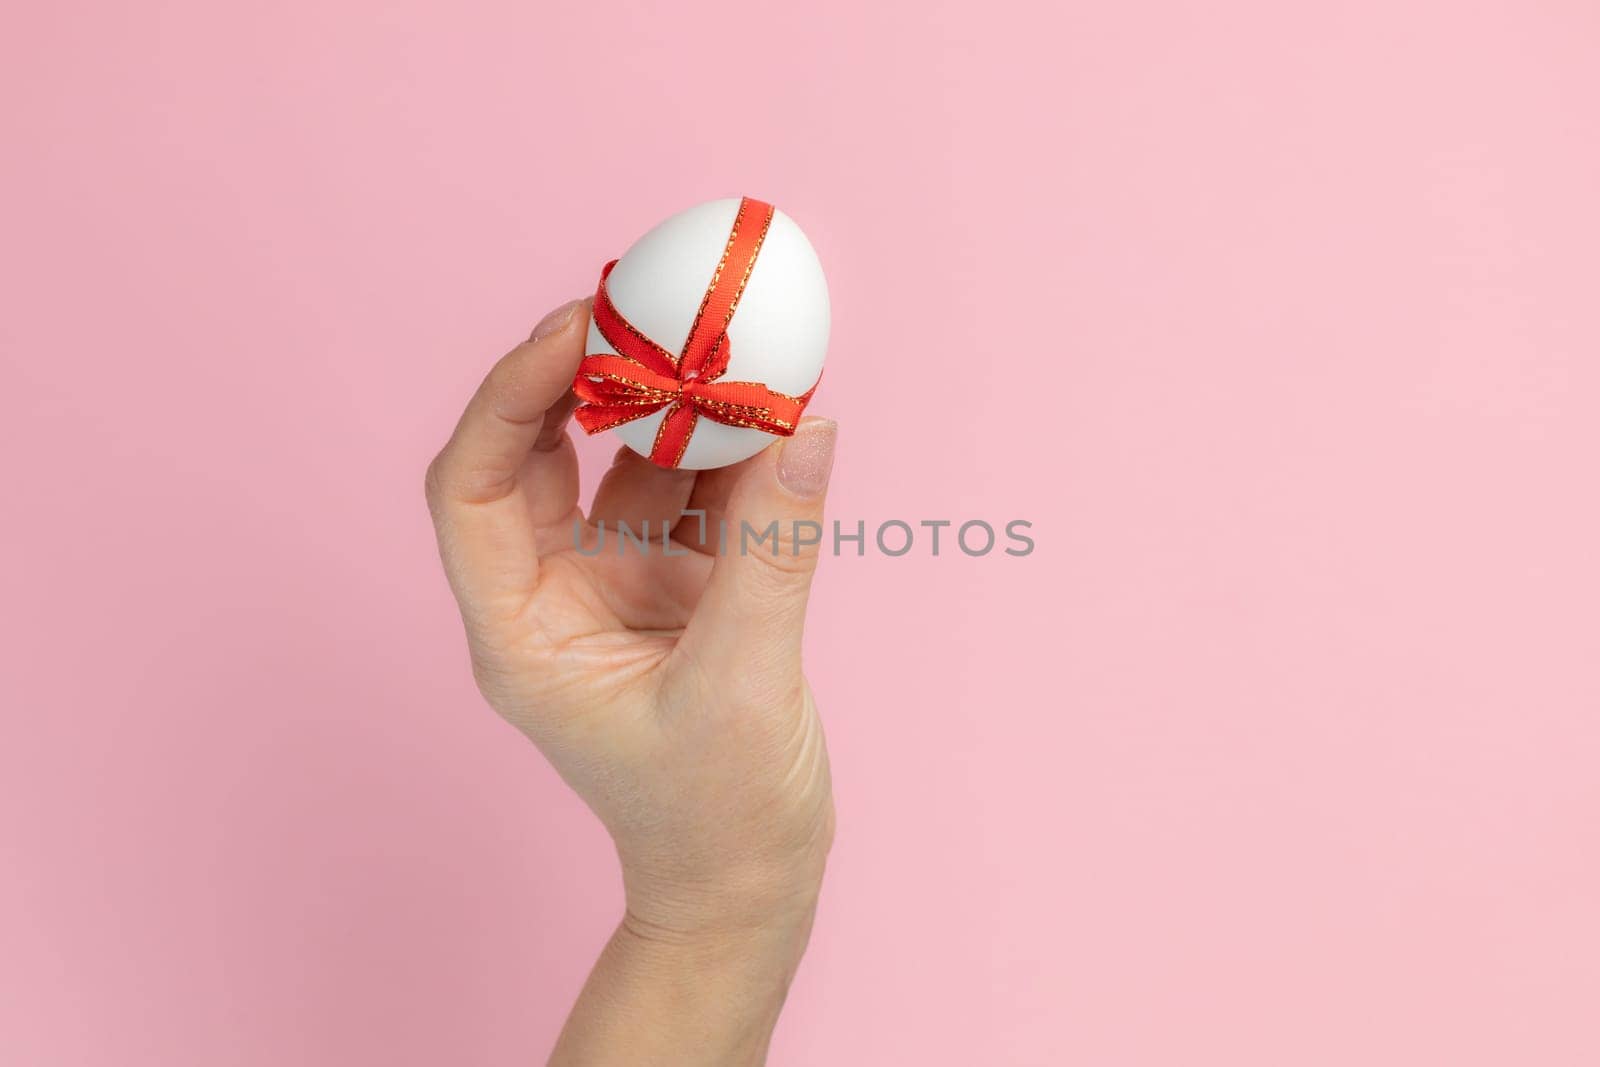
[[807, 457]]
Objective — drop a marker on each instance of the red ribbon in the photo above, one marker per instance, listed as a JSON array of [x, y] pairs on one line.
[[643, 377]]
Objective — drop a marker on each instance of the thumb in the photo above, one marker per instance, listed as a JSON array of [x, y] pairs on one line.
[[753, 609]]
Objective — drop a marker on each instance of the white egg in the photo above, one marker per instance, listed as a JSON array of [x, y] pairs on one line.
[[778, 333]]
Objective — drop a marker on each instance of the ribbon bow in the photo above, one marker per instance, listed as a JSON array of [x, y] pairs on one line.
[[642, 378]]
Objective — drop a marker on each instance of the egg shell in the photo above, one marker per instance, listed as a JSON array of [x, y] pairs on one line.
[[779, 331]]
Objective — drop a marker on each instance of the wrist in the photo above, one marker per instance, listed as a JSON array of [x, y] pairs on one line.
[[775, 946], [761, 904]]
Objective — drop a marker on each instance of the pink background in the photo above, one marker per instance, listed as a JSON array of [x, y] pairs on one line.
[[1279, 321]]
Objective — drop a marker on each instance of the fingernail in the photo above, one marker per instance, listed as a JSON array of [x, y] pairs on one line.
[[807, 457], [553, 322]]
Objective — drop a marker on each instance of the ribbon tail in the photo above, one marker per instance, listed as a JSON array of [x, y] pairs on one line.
[[752, 405], [672, 436]]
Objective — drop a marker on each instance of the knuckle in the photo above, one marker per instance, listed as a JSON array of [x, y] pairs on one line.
[[788, 549], [467, 480], [432, 480], [780, 573]]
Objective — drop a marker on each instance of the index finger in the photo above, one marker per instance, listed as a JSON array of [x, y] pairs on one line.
[[509, 467]]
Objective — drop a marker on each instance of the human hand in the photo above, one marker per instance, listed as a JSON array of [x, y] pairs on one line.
[[665, 687]]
